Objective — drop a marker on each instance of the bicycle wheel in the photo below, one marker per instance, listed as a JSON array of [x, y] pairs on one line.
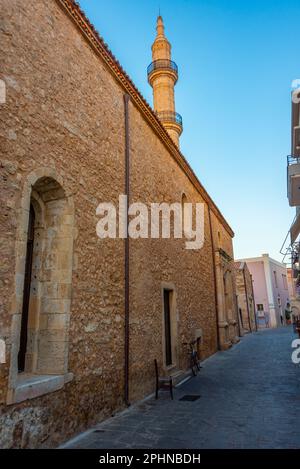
[[194, 366]]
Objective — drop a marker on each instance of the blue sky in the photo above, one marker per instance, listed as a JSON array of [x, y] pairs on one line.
[[236, 60]]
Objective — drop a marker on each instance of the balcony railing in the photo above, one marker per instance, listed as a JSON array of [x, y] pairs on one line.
[[293, 159], [171, 117], [162, 64]]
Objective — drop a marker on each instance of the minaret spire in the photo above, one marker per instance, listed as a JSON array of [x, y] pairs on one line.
[[162, 76], [160, 28]]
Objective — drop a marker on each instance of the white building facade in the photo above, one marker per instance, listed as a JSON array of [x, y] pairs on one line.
[[270, 286]]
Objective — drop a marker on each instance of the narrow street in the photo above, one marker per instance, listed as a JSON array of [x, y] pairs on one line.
[[249, 398]]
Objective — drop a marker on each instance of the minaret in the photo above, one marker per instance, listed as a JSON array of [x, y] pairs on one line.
[[162, 76]]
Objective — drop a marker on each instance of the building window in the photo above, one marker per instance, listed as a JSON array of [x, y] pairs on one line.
[[260, 311], [284, 281], [169, 325], [241, 317], [184, 201], [26, 291], [47, 281], [228, 293], [275, 279], [168, 334], [279, 301], [43, 299]]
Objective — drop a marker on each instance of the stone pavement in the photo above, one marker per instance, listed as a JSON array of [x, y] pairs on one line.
[[250, 398]]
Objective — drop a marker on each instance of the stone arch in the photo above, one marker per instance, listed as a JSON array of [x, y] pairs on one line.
[[184, 198], [183, 201], [51, 276]]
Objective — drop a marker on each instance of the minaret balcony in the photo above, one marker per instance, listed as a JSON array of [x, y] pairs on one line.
[[166, 66], [171, 119]]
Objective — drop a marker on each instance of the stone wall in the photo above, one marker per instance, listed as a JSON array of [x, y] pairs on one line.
[[227, 311], [64, 119]]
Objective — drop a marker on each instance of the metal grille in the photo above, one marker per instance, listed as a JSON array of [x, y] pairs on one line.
[[162, 65]]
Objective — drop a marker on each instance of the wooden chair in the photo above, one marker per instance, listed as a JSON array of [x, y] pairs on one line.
[[162, 382]]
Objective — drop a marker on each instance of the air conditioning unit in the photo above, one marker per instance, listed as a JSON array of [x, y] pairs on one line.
[[296, 141], [294, 184]]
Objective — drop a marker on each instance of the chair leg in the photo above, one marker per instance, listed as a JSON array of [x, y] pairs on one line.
[[171, 389]]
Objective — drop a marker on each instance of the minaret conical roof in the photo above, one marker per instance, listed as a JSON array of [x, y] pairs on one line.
[[160, 28]]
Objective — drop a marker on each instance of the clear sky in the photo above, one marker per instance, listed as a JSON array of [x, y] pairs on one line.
[[236, 59]]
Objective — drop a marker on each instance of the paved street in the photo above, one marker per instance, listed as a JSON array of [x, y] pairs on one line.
[[249, 398]]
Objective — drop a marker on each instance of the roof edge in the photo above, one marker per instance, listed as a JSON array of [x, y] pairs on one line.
[[249, 260]]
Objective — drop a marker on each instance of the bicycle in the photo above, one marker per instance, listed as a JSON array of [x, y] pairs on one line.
[[193, 356]]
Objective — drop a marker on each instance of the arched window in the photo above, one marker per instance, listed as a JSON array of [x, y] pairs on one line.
[[183, 202], [43, 299], [228, 292], [26, 291]]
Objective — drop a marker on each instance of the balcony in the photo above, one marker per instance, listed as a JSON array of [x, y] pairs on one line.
[[167, 66], [171, 118], [293, 180]]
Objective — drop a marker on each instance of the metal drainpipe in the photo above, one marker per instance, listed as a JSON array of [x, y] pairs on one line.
[[246, 292], [215, 278], [127, 270]]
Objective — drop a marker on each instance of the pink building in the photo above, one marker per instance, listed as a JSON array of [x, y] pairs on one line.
[[271, 293]]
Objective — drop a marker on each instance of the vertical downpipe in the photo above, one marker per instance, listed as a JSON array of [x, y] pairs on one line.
[[215, 277], [127, 270]]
